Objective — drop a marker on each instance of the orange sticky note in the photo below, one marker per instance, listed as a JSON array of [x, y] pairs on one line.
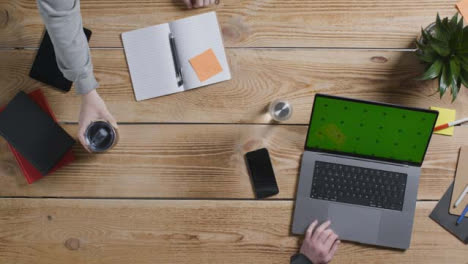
[[463, 8], [206, 65]]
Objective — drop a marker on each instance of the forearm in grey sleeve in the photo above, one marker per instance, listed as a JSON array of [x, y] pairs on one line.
[[62, 19], [300, 259]]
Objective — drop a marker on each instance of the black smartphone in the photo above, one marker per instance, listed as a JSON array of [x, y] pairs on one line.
[[261, 171], [45, 68]]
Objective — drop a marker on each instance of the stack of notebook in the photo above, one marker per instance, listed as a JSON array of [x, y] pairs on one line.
[[39, 144]]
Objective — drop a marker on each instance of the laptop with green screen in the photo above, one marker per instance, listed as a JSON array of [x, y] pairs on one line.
[[373, 130], [361, 168]]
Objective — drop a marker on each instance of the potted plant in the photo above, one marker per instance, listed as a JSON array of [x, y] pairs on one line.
[[443, 47]]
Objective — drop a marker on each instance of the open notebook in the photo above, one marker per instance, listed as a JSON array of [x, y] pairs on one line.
[[153, 61]]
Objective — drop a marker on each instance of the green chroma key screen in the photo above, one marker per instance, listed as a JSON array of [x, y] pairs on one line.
[[370, 129]]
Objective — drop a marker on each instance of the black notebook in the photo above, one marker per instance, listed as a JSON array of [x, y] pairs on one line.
[[34, 133], [441, 215], [45, 68]]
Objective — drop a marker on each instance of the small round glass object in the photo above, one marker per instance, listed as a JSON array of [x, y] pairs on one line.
[[280, 110], [101, 136]]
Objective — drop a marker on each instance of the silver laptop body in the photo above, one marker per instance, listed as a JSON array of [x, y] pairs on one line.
[[358, 223]]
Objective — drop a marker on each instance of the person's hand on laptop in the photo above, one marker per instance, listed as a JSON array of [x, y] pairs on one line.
[[93, 108], [199, 3], [320, 244]]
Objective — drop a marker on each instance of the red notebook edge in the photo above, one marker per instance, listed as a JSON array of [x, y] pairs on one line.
[[29, 171]]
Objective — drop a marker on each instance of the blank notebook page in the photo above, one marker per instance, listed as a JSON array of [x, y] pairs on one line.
[[150, 62], [193, 36]]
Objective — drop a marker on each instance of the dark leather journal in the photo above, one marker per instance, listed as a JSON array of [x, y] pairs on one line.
[[441, 215], [45, 68], [29, 171], [33, 133]]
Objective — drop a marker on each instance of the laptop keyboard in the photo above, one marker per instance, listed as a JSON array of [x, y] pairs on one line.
[[356, 185]]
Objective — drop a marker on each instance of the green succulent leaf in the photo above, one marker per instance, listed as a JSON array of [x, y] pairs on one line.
[[464, 41], [462, 46], [454, 74], [464, 78], [438, 20], [444, 81], [454, 38], [462, 51], [454, 67], [425, 38], [427, 57], [441, 47], [445, 24], [455, 90], [459, 34], [439, 31], [463, 62], [433, 71], [425, 53], [454, 21]]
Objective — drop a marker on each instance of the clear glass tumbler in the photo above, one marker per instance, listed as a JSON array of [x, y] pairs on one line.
[[280, 110]]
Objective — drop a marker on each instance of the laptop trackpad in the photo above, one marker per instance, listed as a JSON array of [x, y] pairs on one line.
[[354, 222]]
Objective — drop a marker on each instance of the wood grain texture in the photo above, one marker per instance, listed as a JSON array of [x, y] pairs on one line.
[[124, 231], [205, 161], [198, 161], [245, 23], [259, 77]]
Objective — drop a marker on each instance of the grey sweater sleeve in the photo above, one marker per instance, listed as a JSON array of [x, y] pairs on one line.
[[62, 19], [300, 259]]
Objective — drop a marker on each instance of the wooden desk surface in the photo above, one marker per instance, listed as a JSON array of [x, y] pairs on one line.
[[175, 189]]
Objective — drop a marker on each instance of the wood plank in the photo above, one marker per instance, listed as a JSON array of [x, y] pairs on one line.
[[259, 77], [125, 231], [198, 161], [246, 23]]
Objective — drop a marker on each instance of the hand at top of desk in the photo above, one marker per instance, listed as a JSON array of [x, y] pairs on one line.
[[199, 3]]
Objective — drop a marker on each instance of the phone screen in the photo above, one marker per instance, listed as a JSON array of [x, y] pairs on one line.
[[261, 171]]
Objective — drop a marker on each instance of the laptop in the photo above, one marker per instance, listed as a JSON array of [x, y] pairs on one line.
[[360, 169]]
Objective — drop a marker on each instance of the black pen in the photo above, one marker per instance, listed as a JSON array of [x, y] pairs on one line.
[[175, 57]]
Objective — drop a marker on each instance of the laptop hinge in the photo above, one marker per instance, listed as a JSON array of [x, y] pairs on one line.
[[364, 159]]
